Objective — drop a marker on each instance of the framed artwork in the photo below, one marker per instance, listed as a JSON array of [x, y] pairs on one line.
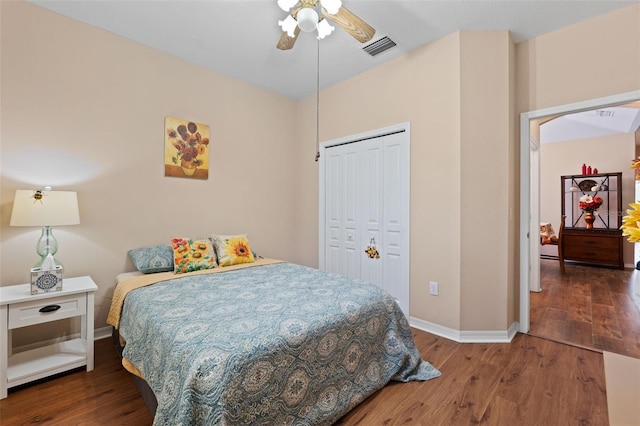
[[186, 149]]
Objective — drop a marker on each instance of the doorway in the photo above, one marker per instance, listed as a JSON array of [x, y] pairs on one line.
[[529, 184], [364, 209]]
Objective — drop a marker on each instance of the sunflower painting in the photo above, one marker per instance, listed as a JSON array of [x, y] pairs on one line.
[[186, 149]]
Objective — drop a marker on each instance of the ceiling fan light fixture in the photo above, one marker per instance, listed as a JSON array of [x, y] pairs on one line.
[[289, 26], [331, 6], [286, 5], [324, 29], [307, 19]]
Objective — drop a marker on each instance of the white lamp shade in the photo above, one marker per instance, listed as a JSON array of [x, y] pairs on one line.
[[289, 26], [286, 5], [307, 19], [324, 29], [55, 208], [331, 6]]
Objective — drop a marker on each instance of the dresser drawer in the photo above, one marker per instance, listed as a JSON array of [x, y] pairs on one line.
[[45, 310], [599, 242], [592, 254]]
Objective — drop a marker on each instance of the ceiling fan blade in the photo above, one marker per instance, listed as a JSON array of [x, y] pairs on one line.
[[351, 23], [286, 42]]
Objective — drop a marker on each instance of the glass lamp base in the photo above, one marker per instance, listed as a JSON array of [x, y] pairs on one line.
[[47, 245]]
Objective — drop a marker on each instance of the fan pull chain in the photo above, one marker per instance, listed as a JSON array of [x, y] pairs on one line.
[[318, 104]]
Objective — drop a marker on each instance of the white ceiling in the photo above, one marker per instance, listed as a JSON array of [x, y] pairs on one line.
[[590, 124], [238, 38]]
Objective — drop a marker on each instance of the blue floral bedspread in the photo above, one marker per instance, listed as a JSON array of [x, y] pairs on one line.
[[278, 344]]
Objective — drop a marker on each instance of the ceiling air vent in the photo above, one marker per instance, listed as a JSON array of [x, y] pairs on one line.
[[379, 46], [604, 113]]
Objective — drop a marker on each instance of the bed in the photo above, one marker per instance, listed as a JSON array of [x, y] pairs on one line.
[[268, 342]]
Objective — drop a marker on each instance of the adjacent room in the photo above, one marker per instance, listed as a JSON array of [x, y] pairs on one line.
[[393, 148]]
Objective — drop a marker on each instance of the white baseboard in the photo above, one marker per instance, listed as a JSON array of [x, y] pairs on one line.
[[461, 336], [448, 333], [102, 333]]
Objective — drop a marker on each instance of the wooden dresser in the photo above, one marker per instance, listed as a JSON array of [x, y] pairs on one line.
[[593, 246]]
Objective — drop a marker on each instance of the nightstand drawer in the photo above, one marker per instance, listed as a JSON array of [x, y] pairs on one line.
[[45, 310]]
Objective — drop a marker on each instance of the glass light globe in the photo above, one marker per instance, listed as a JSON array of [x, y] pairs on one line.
[[307, 19]]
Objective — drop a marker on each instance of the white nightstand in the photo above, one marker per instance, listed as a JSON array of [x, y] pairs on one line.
[[18, 308]]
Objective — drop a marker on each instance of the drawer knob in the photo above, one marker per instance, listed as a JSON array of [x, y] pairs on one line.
[[49, 308]]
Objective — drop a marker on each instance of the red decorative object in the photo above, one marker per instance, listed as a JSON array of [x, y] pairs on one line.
[[595, 171], [584, 169], [589, 170]]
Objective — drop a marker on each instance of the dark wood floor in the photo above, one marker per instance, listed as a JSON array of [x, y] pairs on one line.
[[595, 308], [530, 381]]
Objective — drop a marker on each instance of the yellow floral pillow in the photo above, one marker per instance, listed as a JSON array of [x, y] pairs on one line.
[[192, 255], [232, 249]]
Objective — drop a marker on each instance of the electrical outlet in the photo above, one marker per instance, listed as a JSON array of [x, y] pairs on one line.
[[433, 288]]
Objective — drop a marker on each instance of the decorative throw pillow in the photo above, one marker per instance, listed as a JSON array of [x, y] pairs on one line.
[[192, 255], [150, 260], [232, 249]]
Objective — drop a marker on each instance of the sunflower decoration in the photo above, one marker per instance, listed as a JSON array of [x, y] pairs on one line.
[[631, 223], [233, 249], [635, 164], [192, 255]]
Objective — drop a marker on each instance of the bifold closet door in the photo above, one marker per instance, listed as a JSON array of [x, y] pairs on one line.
[[366, 205]]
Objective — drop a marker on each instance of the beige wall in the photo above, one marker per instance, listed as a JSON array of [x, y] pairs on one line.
[[459, 194], [95, 104], [84, 110], [428, 88], [485, 163], [593, 59], [611, 153], [424, 89]]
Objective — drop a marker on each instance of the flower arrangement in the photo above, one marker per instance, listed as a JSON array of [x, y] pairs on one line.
[[189, 143], [589, 204], [631, 223]]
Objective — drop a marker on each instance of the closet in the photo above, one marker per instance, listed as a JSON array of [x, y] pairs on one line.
[[364, 210]]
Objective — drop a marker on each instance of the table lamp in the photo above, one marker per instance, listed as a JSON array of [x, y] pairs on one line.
[[45, 208]]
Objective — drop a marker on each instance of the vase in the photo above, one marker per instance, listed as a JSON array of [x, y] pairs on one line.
[[188, 167], [589, 218]]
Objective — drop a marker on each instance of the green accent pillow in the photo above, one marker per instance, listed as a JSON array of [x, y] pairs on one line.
[[192, 255], [232, 249], [153, 259]]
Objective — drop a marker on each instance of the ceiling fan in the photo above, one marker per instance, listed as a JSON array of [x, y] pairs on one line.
[[304, 16]]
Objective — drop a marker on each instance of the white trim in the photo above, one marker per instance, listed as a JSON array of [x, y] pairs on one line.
[[534, 247], [526, 226], [102, 333], [476, 336]]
